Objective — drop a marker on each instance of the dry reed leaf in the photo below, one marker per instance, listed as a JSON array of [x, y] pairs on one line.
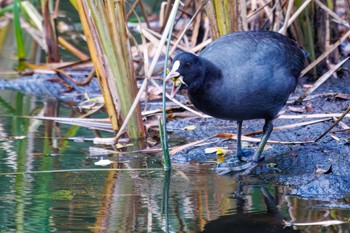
[[296, 109], [295, 15], [335, 138], [341, 124], [177, 149], [334, 124], [342, 96], [325, 54], [308, 116], [290, 126], [320, 81], [333, 14], [194, 31], [340, 130]]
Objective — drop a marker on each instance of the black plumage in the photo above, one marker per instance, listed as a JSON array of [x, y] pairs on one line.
[[242, 76]]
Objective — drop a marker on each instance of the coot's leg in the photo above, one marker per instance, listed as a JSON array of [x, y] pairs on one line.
[[239, 151], [238, 157], [268, 127], [249, 166]]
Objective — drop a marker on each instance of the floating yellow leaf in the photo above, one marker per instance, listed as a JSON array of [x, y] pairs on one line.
[[220, 158], [220, 155]]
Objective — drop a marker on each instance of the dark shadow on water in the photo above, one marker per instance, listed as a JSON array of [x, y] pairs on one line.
[[165, 204], [241, 222]]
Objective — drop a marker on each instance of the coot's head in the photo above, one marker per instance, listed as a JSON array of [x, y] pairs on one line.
[[186, 68]]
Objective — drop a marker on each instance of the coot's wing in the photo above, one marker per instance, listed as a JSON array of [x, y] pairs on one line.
[[256, 47], [260, 64]]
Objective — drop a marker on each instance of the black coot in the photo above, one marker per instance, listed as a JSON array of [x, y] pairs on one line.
[[242, 76]]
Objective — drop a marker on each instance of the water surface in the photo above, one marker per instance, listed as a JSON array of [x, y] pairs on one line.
[[42, 192]]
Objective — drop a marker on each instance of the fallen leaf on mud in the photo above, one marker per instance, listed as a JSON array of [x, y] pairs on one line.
[[321, 170], [217, 150], [210, 150], [221, 151], [296, 109], [190, 127]]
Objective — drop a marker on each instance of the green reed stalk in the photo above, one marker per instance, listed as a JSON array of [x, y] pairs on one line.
[[21, 54], [162, 124]]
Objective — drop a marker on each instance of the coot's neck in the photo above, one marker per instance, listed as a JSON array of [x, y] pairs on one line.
[[210, 75]]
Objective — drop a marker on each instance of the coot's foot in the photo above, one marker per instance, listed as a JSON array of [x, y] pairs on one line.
[[242, 161], [226, 168], [241, 156]]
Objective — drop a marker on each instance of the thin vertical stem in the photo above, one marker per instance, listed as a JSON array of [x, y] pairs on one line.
[[165, 135]]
